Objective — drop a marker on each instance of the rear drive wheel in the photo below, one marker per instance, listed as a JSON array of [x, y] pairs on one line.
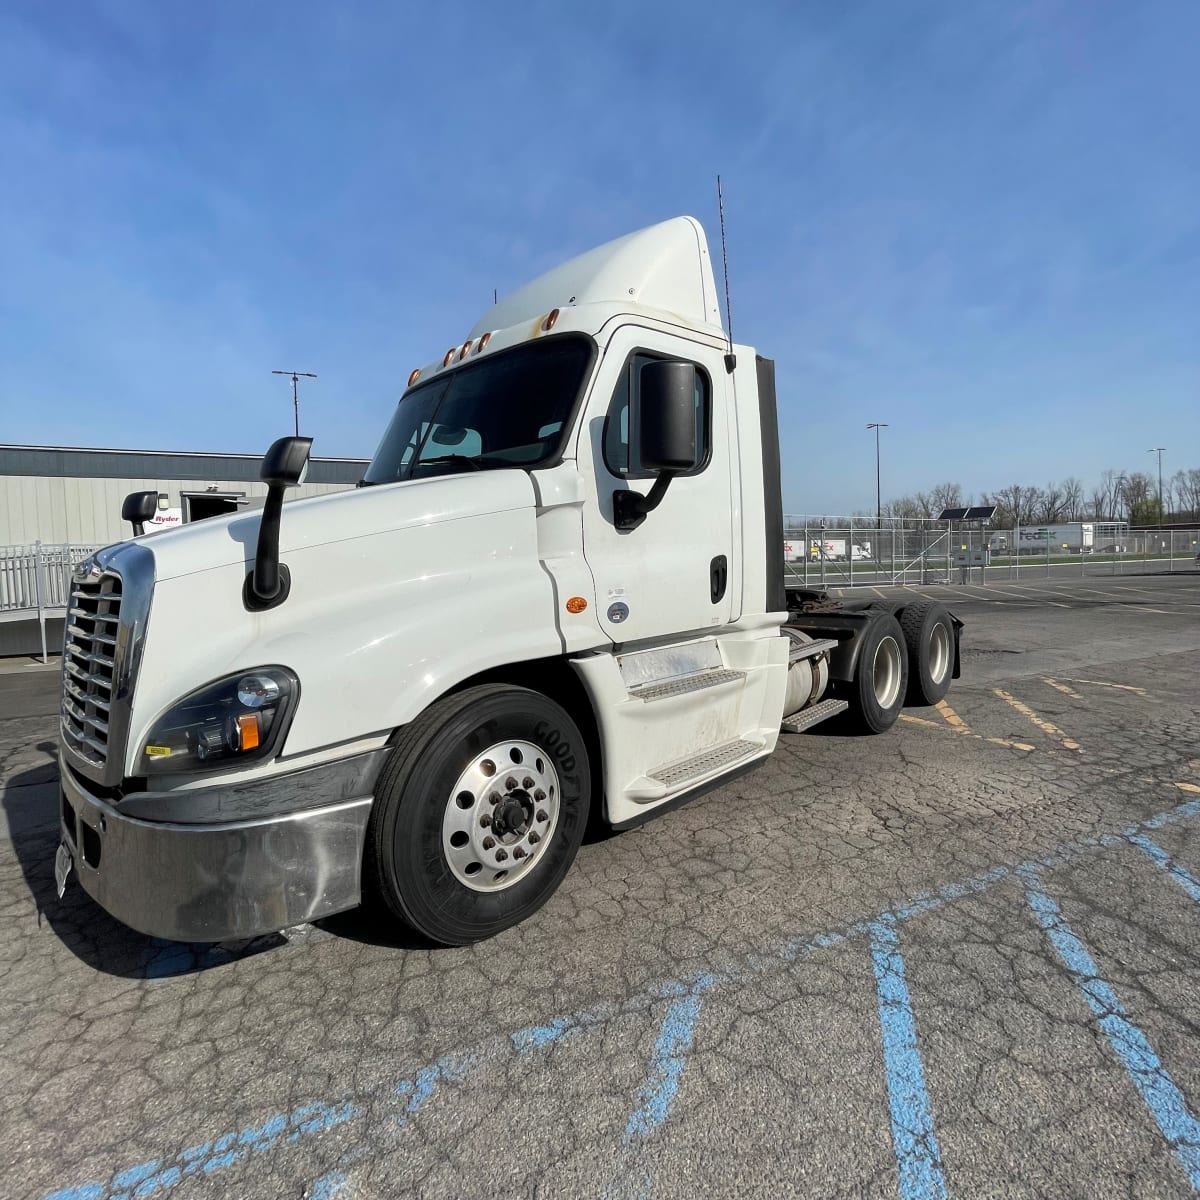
[[478, 813], [929, 637], [876, 693]]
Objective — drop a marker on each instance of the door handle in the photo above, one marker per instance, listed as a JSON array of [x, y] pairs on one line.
[[718, 577]]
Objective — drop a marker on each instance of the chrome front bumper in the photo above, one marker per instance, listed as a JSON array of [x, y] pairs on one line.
[[219, 880]]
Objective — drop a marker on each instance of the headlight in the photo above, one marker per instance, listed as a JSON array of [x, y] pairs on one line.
[[240, 718]]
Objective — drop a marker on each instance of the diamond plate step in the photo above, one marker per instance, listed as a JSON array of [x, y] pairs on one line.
[[806, 718], [801, 650], [673, 774], [683, 684]]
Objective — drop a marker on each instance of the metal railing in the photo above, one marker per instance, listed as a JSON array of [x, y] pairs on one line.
[[35, 580]]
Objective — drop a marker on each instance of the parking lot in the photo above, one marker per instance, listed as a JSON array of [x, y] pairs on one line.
[[959, 959]]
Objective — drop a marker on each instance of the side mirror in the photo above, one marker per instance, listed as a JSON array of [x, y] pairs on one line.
[[284, 465], [138, 508], [662, 424], [665, 416]]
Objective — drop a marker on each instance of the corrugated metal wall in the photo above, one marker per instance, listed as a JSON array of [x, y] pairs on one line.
[[43, 508]]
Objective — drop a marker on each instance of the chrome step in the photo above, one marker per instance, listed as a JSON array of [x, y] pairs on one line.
[[671, 775], [682, 684], [806, 718]]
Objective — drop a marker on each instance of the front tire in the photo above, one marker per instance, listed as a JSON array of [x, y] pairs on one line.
[[478, 813]]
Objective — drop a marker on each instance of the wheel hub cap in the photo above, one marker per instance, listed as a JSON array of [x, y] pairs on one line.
[[501, 815]]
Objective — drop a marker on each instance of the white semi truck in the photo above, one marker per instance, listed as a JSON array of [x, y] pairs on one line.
[[556, 597]]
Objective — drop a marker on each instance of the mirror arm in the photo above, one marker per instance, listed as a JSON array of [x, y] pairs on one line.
[[268, 583], [630, 508]]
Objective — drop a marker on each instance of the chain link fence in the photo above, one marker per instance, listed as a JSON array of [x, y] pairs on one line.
[[840, 551]]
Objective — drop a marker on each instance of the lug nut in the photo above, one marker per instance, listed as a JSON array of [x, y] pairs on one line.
[[533, 837], [501, 855], [488, 842], [494, 798], [543, 815], [518, 853], [509, 784], [485, 820], [527, 782], [539, 795]]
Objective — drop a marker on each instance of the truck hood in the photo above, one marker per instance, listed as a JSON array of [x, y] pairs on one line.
[[339, 517]]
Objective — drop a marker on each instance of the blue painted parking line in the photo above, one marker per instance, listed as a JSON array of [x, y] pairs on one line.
[[1161, 858], [231, 1147], [670, 1054], [918, 1158], [1161, 1095]]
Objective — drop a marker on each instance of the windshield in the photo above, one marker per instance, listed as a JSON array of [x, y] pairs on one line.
[[508, 410]]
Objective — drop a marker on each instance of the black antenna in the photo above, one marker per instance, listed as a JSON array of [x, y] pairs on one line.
[[495, 299], [730, 358]]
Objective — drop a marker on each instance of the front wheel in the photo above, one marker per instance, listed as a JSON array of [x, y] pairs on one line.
[[478, 813], [876, 693]]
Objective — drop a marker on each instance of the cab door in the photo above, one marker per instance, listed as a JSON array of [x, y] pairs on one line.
[[678, 572]]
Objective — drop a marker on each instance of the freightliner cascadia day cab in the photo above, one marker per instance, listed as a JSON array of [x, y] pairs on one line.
[[557, 595]]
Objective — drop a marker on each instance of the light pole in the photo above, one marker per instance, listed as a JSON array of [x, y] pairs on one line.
[[877, 426], [1158, 450], [295, 391]]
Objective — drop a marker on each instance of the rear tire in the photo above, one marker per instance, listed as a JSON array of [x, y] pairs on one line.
[[929, 636], [876, 693], [478, 813]]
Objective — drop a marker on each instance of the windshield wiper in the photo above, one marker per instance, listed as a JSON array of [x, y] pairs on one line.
[[473, 463]]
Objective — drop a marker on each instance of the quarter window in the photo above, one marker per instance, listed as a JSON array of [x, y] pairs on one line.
[[620, 450]]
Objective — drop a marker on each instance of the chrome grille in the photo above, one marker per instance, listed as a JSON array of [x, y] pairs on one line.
[[90, 665]]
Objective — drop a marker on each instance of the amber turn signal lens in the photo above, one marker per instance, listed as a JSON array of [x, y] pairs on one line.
[[551, 317], [576, 604], [248, 735], [414, 377]]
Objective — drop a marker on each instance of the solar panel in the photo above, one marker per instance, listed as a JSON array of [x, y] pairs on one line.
[[980, 512], [952, 514]]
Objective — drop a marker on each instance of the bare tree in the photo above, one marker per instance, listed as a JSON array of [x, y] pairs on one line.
[[1072, 489]]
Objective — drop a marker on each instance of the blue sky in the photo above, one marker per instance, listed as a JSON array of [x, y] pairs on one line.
[[979, 222]]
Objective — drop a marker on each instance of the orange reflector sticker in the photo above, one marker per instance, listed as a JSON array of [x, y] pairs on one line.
[[576, 604], [248, 728]]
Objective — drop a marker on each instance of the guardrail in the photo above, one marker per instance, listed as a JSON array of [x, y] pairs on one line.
[[35, 580]]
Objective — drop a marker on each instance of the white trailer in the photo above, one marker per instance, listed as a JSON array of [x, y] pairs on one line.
[[558, 597]]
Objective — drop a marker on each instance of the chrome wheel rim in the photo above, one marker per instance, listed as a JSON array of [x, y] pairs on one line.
[[886, 672], [939, 652], [501, 815]]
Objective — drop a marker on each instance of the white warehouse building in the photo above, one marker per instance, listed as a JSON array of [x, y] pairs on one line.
[[68, 495]]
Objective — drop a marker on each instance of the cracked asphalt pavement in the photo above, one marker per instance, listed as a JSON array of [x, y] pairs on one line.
[[959, 959]]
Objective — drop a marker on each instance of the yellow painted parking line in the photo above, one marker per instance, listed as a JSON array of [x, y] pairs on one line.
[[952, 718], [1161, 611], [1188, 787], [1062, 687], [920, 721], [950, 729], [1006, 742], [1123, 687], [1047, 727]]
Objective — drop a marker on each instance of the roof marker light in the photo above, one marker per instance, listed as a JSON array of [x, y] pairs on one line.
[[449, 355], [548, 323], [466, 349], [414, 377], [483, 341]]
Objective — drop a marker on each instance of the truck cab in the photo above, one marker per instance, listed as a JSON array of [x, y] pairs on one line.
[[556, 597]]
